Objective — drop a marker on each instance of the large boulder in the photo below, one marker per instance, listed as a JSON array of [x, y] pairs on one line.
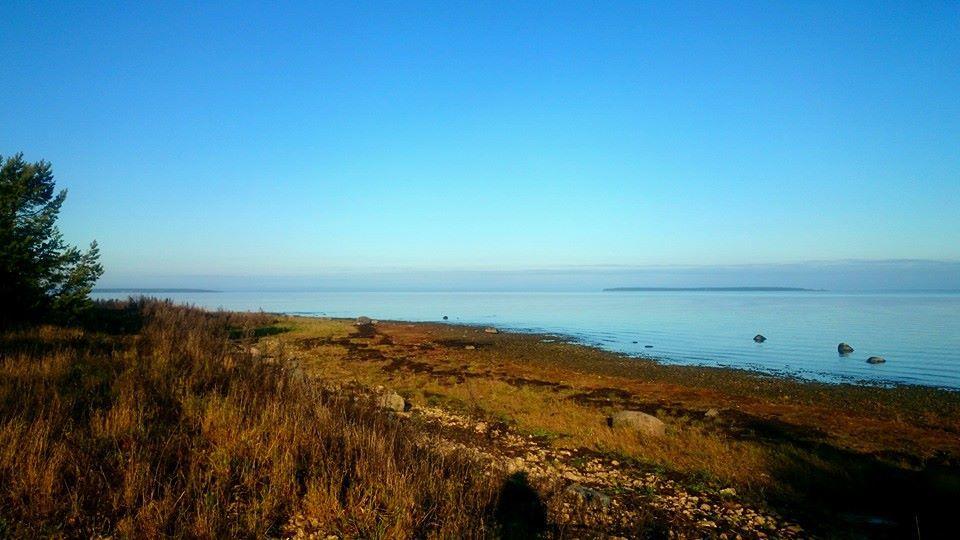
[[638, 421], [392, 401], [843, 348], [759, 338], [363, 321], [876, 360]]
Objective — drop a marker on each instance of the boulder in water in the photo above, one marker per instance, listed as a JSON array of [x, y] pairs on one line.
[[843, 348], [876, 360], [759, 338]]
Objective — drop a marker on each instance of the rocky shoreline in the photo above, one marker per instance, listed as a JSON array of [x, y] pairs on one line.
[[613, 445]]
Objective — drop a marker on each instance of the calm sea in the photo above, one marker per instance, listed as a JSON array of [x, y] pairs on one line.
[[917, 333]]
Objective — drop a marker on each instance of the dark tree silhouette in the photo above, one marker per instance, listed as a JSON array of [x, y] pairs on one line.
[[40, 274]]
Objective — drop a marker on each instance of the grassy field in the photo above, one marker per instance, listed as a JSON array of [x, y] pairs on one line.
[[158, 420], [170, 427]]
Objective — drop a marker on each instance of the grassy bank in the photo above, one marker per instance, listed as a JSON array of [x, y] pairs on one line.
[[155, 422]]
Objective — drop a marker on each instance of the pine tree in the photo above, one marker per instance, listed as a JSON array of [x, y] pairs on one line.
[[40, 274]]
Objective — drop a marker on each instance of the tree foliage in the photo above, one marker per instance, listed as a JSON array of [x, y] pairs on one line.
[[40, 274]]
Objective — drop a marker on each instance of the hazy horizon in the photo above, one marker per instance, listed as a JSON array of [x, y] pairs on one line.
[[832, 276]]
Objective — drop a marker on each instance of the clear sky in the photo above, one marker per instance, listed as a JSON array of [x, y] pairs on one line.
[[252, 139]]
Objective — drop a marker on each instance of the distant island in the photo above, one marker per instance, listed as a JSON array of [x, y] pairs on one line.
[[701, 289], [151, 291]]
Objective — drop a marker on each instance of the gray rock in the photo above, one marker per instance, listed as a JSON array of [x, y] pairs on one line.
[[588, 495], [641, 422], [843, 348], [363, 321], [759, 338], [392, 401], [876, 360], [491, 330]]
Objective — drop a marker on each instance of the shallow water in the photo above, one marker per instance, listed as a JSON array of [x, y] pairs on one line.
[[917, 333]]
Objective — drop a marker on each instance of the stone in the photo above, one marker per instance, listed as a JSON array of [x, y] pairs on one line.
[[514, 465], [590, 496], [876, 360], [470, 347], [445, 317], [728, 492], [641, 422], [711, 413], [648, 346], [363, 321], [491, 330], [843, 348], [759, 338], [392, 401]]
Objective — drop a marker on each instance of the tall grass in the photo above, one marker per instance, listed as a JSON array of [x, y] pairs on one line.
[[179, 430]]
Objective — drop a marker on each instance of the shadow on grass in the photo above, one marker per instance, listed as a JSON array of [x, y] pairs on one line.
[[521, 512], [850, 495]]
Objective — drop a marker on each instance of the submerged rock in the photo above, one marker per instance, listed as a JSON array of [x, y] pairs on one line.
[[445, 317], [843, 348], [642, 422], [759, 338], [876, 360]]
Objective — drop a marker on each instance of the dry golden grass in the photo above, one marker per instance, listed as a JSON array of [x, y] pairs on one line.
[[180, 431]]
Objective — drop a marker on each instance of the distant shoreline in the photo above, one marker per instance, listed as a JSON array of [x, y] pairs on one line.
[[151, 291], [714, 289]]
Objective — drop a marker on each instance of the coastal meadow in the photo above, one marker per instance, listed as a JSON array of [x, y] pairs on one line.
[[158, 420]]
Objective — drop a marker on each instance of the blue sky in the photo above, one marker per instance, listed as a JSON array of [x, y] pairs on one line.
[[297, 141]]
